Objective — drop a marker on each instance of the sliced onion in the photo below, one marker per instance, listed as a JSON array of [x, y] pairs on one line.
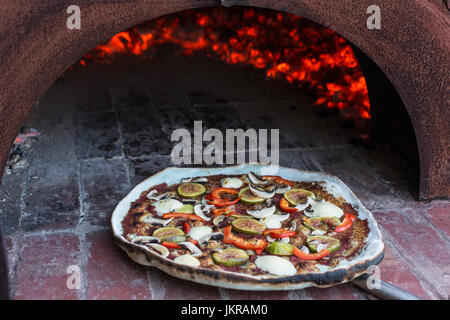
[[161, 249], [201, 209], [200, 231], [165, 206], [192, 248], [262, 213], [233, 183], [150, 219], [283, 240], [261, 193], [293, 225], [281, 217], [303, 206], [271, 222], [218, 220], [188, 260], [321, 246], [305, 249], [275, 265], [318, 232], [255, 180]]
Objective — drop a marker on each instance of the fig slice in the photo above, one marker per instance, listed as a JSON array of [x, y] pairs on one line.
[[230, 257], [191, 190], [248, 197], [169, 233], [186, 208], [298, 196], [248, 226], [321, 223], [280, 248], [324, 242]]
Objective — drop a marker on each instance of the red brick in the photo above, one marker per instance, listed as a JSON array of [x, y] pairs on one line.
[[397, 272], [419, 240], [41, 272], [344, 291], [440, 216], [111, 274], [419, 244], [166, 287]]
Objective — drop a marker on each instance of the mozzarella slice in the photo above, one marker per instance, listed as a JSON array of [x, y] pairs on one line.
[[233, 183], [326, 209], [275, 265], [188, 260], [200, 231], [165, 206]]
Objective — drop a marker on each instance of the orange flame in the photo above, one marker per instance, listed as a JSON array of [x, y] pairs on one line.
[[286, 46]]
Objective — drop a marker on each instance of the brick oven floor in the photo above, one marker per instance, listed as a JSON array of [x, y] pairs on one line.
[[106, 127]]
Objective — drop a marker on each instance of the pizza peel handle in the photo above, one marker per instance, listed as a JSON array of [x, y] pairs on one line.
[[386, 290]]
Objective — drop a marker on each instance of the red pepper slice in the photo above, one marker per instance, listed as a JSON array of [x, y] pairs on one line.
[[231, 213], [193, 241], [171, 245], [259, 245], [189, 216], [282, 234], [217, 200], [310, 256], [220, 211], [346, 223], [279, 180], [284, 205], [186, 228], [267, 231]]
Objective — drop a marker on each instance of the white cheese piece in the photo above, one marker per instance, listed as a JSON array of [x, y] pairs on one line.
[[271, 222], [200, 231], [326, 209], [188, 260], [166, 206], [233, 183], [275, 265]]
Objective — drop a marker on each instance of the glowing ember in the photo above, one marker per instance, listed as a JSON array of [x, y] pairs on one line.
[[284, 45]]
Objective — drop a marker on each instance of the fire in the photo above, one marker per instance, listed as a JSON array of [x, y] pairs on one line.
[[285, 46]]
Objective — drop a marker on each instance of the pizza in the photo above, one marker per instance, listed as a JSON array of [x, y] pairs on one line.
[[247, 224]]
